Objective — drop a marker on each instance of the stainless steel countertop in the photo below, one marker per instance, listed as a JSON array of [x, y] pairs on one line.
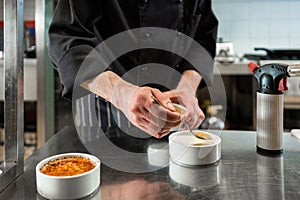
[[240, 174]]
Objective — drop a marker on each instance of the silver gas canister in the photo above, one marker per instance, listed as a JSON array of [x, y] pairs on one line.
[[269, 124]]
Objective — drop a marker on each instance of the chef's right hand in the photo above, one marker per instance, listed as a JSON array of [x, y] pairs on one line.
[[142, 111]]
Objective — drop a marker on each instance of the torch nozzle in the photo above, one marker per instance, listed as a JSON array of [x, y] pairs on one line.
[[294, 70]]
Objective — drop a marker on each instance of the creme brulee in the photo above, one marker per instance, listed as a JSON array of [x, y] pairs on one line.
[[68, 166]]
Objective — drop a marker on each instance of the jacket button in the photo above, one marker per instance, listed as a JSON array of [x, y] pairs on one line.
[[147, 34], [178, 1]]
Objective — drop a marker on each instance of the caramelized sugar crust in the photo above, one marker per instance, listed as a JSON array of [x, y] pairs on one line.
[[68, 166]]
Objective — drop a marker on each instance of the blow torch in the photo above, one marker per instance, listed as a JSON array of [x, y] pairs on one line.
[[271, 79]]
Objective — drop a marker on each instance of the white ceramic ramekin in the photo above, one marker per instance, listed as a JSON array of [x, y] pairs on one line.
[[181, 110], [183, 152], [68, 187], [158, 154]]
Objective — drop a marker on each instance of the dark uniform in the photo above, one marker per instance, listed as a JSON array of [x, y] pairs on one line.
[[79, 26]]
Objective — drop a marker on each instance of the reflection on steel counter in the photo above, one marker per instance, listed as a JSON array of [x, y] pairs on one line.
[[266, 167]]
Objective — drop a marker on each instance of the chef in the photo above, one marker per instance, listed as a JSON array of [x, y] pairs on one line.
[[79, 26]]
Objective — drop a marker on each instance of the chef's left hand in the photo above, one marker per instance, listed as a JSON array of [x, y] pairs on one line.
[[193, 115]]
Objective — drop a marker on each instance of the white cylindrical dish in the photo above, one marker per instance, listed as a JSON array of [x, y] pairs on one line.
[[183, 152], [68, 187], [158, 154]]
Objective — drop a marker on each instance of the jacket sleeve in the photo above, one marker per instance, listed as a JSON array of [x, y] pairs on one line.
[[205, 34], [71, 39]]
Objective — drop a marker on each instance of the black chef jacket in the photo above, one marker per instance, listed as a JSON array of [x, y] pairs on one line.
[[78, 26]]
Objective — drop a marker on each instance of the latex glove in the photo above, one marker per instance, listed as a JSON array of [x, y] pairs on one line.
[[142, 111], [193, 115]]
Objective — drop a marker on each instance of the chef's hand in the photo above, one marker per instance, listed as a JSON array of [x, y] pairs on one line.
[[193, 115], [185, 94], [142, 111], [136, 103]]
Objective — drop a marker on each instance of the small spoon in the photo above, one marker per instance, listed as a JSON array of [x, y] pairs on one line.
[[197, 134], [200, 135]]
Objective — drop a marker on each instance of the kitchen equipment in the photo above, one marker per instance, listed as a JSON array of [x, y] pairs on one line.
[[183, 151], [294, 70], [291, 103], [273, 54], [200, 135], [68, 187], [224, 52], [271, 79], [280, 54]]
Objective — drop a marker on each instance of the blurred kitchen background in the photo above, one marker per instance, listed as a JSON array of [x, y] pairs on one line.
[[249, 30], [259, 23], [263, 31]]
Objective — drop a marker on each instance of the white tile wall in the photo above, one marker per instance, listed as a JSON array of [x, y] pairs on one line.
[[28, 9], [259, 23]]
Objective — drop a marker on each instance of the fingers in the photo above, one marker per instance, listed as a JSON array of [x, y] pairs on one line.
[[163, 99], [156, 128], [200, 119], [157, 112], [151, 129], [144, 106], [149, 116], [158, 116], [165, 111], [172, 96], [194, 117]]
